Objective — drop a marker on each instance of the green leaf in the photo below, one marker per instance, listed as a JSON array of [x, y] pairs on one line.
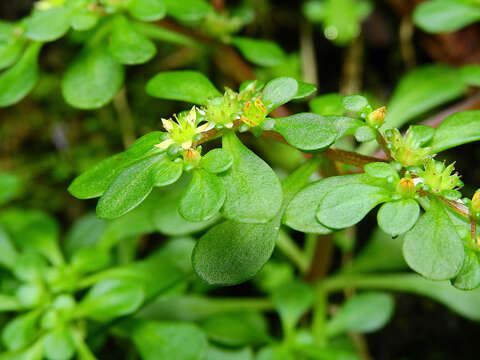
[[111, 298], [469, 276], [10, 51], [129, 47], [215, 353], [275, 352], [184, 85], [253, 191], [231, 252], [442, 16], [365, 312], [397, 217], [365, 133], [217, 161], [314, 10], [260, 52], [203, 198], [9, 303], [19, 80], [169, 341], [457, 129], [341, 22], [10, 187], [301, 211], [147, 10], [433, 247], [92, 80], [328, 104], [422, 134], [471, 75], [82, 19], [355, 103], [347, 205], [279, 91], [129, 189], [237, 329], [422, 90], [90, 259], [48, 25], [188, 10], [304, 90], [307, 131], [292, 300], [8, 253], [59, 344], [381, 170], [85, 232], [346, 125], [20, 331], [168, 172]]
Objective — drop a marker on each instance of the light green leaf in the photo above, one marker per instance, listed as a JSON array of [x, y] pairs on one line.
[[279, 91], [443, 16], [355, 103], [253, 191], [147, 10], [328, 104], [188, 10], [381, 170], [422, 90], [347, 205], [48, 25], [469, 276], [217, 161], [304, 90], [7, 250], [9, 303], [19, 80], [169, 341], [85, 232], [168, 172], [365, 133], [471, 75], [215, 353], [184, 85], [59, 344], [365, 312], [232, 252], [341, 22], [346, 125], [457, 129], [129, 47], [10, 50], [260, 52], [10, 187], [90, 259], [82, 19], [203, 198], [314, 10], [129, 189], [92, 80], [433, 247], [307, 131], [397, 217], [20, 331]]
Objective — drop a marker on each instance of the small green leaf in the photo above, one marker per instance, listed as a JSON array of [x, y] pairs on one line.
[[347, 205], [307, 131], [167, 172], [341, 22], [82, 19], [292, 300], [184, 85], [365, 312], [129, 47], [365, 133], [397, 217], [355, 103], [203, 198], [188, 10], [328, 104], [421, 134], [217, 161], [90, 259], [169, 341], [279, 91], [442, 16], [469, 276], [9, 303], [304, 90], [111, 298], [381, 170], [59, 344], [8, 253], [10, 187], [433, 247], [253, 191], [346, 125], [314, 10], [10, 51], [260, 52], [147, 10], [457, 129], [48, 25], [92, 80], [19, 80], [231, 252], [20, 331], [215, 353], [471, 75]]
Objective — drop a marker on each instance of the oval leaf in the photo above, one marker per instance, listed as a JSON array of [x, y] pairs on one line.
[[279, 91], [48, 25], [469, 276], [147, 10], [457, 129], [217, 161], [260, 52], [397, 217]]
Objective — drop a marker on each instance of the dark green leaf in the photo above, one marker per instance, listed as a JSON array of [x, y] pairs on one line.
[[279, 91], [48, 25], [203, 198], [307, 131], [19, 80], [260, 52], [92, 80], [147, 10], [232, 252], [85, 232], [185, 85], [397, 217], [254, 193], [457, 129], [433, 247], [469, 276], [217, 161]]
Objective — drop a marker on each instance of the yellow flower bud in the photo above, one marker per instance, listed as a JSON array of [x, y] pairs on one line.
[[406, 187], [377, 117], [476, 202]]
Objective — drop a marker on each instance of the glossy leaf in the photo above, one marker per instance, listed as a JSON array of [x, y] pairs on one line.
[[253, 191], [347, 205], [48, 25], [307, 131], [217, 161], [260, 52], [19, 80], [147, 10], [92, 80], [184, 85], [231, 252], [397, 217], [433, 247], [167, 172], [304, 90], [469, 276], [279, 91], [129, 47], [457, 129], [203, 198], [365, 312]]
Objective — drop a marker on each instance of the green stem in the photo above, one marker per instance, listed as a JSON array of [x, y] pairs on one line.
[[286, 244], [320, 316]]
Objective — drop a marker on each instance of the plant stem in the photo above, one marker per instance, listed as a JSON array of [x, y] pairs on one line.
[[290, 248], [124, 114], [320, 316]]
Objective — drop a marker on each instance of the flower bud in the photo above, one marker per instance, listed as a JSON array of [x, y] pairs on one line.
[[377, 117], [406, 187], [191, 156], [475, 205]]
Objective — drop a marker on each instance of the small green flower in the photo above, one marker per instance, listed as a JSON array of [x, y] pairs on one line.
[[438, 177], [224, 110], [406, 150], [254, 113]]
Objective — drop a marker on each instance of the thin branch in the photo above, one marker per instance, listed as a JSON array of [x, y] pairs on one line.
[[124, 114], [307, 51]]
